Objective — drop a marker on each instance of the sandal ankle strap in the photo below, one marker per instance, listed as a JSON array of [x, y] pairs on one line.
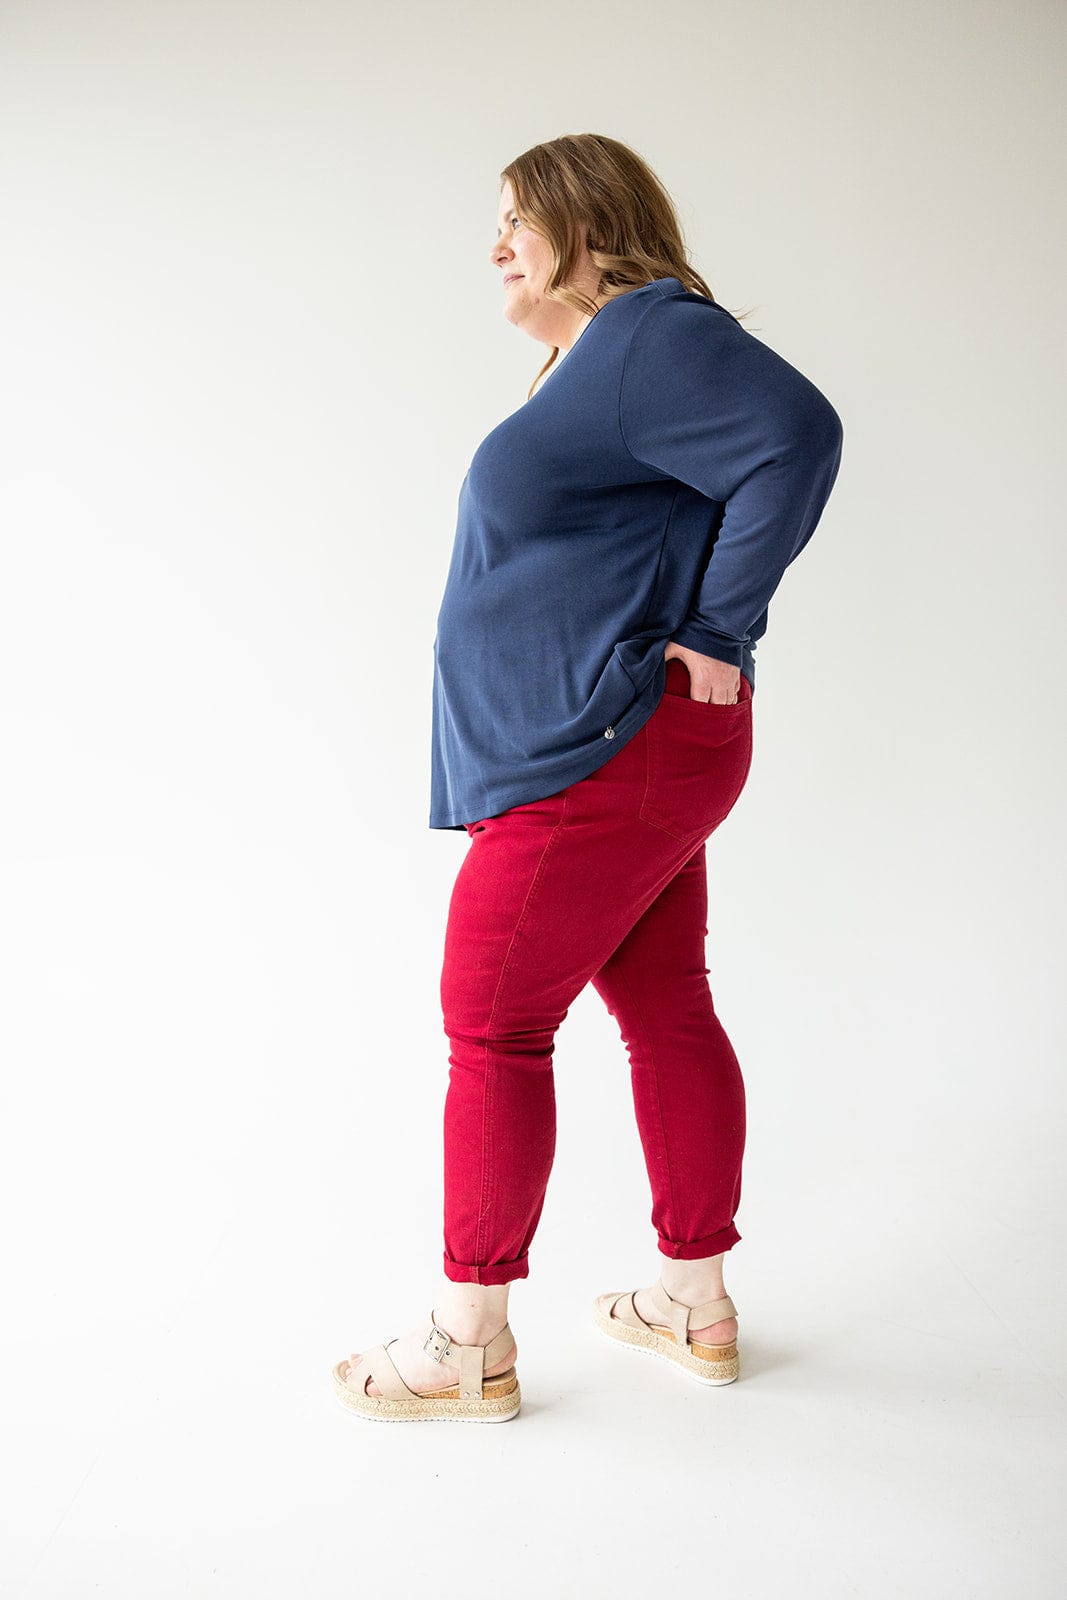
[[680, 1317], [471, 1359]]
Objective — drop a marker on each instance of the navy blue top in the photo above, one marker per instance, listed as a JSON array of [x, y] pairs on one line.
[[655, 487]]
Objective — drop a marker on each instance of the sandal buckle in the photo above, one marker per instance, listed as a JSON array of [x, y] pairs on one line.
[[438, 1344]]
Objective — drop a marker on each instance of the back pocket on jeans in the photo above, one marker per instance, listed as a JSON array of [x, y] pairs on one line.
[[698, 758]]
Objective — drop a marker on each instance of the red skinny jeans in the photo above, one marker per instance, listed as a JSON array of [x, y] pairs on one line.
[[602, 882]]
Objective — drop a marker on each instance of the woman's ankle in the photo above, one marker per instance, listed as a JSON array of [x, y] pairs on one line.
[[472, 1313], [694, 1283]]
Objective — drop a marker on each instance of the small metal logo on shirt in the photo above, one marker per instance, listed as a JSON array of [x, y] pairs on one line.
[[609, 733]]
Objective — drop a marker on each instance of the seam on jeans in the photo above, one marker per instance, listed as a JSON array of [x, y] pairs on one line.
[[655, 1076], [751, 753], [487, 1090], [653, 769], [648, 759]]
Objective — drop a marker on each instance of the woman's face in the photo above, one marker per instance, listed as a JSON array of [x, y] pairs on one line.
[[524, 261]]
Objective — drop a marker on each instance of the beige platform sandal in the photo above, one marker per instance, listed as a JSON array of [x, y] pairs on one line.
[[618, 1318], [474, 1399]]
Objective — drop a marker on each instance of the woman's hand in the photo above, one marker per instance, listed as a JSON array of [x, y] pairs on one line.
[[709, 679]]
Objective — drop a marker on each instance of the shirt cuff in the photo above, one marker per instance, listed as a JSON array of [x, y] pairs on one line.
[[720, 646]]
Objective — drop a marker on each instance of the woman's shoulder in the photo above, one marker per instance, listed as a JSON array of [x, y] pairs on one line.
[[671, 296]]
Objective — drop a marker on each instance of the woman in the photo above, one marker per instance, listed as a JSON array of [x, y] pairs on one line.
[[619, 539]]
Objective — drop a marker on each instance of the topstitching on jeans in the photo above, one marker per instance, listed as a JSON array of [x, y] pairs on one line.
[[486, 1093], [655, 1073]]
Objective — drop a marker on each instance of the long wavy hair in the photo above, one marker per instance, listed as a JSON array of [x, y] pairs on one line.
[[587, 189]]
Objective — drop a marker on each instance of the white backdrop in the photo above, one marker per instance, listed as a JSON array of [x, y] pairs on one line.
[[252, 338]]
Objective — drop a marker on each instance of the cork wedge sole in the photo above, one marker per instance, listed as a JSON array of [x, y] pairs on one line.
[[617, 1318], [474, 1398]]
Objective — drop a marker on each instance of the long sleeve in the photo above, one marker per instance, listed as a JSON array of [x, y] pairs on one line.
[[704, 401]]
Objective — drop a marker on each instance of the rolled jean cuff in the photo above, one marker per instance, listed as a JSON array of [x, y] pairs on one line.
[[714, 1245], [496, 1272]]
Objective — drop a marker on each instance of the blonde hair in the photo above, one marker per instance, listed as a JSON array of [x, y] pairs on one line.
[[585, 189]]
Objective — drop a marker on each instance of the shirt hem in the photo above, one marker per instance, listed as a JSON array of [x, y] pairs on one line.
[[582, 765]]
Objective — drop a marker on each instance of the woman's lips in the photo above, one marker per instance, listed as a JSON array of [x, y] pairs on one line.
[[512, 278]]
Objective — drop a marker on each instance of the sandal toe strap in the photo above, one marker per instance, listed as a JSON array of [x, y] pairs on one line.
[[378, 1365], [623, 1309]]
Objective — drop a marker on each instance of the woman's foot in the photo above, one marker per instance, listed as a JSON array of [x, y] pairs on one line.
[[469, 1313], [693, 1283]]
